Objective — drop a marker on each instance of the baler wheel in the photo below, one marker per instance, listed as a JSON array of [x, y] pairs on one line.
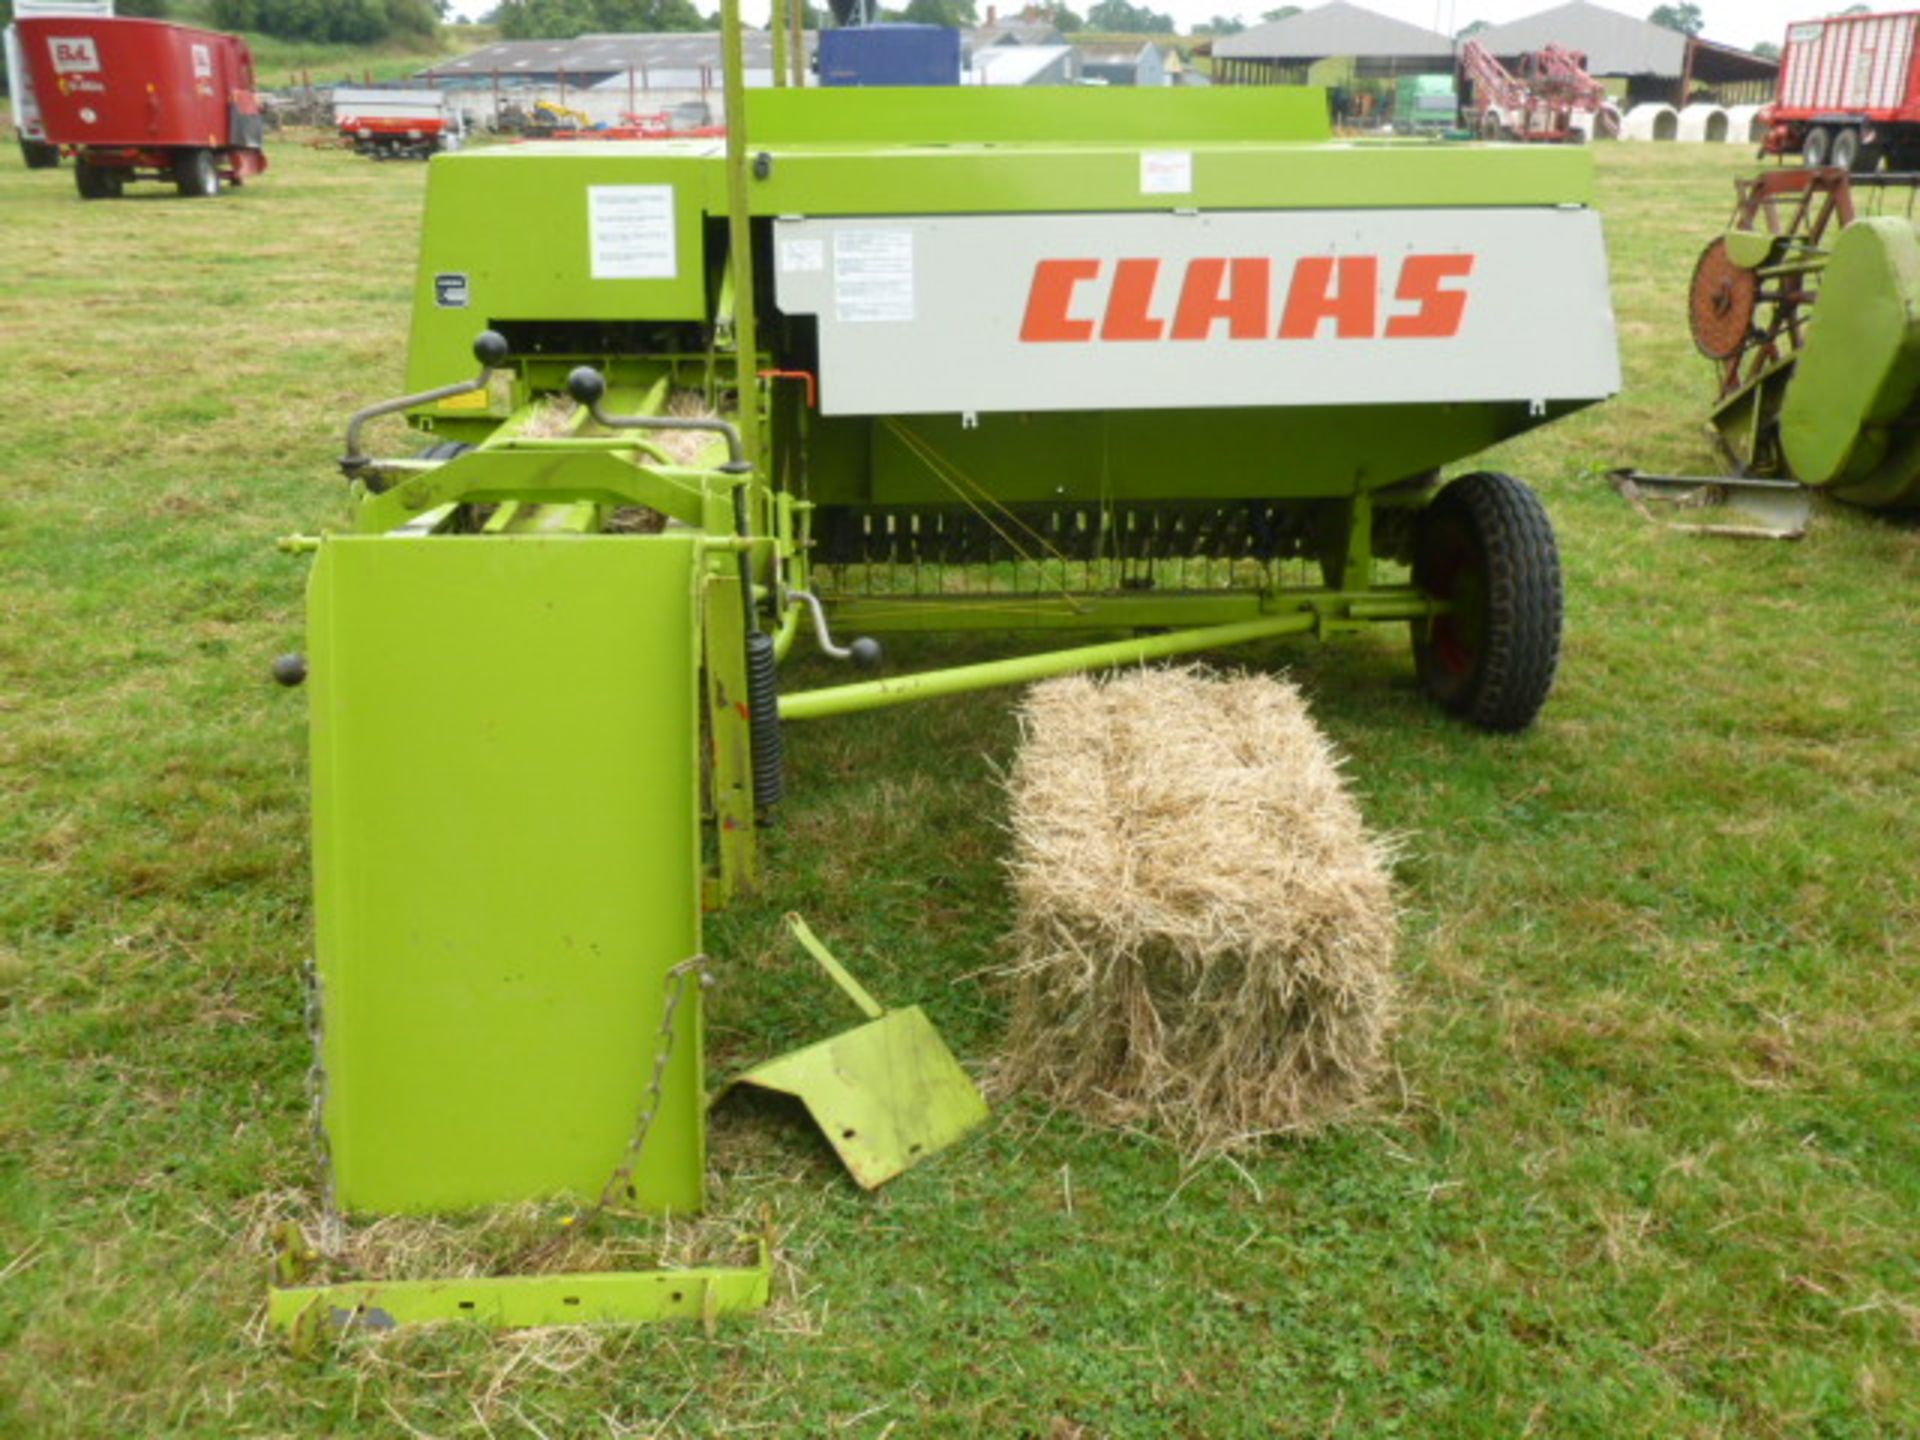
[[1816, 147], [39, 155], [1486, 547], [195, 174]]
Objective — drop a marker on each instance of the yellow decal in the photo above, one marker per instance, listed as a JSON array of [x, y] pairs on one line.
[[472, 400]]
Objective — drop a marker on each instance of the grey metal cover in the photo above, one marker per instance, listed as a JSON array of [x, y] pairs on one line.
[[977, 314]]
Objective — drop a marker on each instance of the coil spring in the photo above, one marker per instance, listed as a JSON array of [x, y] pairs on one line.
[[763, 706]]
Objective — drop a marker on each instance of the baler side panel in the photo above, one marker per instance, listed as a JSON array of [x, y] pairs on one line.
[[973, 314], [506, 862]]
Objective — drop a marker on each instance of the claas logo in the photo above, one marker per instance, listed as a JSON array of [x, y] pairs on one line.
[[73, 54], [1085, 300]]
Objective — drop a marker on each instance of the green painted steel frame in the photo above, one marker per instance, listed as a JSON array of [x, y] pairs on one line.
[[312, 1314]]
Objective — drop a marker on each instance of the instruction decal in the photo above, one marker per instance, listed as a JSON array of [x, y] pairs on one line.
[[803, 257], [451, 290], [872, 276], [631, 231], [1166, 172]]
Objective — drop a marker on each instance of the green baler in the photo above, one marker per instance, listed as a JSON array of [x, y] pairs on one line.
[[1167, 367]]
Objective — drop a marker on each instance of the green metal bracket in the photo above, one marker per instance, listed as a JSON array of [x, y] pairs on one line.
[[887, 1094], [511, 1302]]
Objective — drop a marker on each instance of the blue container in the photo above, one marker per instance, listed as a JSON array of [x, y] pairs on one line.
[[890, 55]]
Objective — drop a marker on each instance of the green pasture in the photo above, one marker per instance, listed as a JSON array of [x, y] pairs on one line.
[[1649, 1164]]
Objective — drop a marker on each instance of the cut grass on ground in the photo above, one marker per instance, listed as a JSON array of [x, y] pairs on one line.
[[1649, 1166]]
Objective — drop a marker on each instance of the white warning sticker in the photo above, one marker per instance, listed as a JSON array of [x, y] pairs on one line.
[[1166, 172], [872, 276], [631, 231]]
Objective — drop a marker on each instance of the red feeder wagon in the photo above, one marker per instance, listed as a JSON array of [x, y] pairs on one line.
[[144, 100]]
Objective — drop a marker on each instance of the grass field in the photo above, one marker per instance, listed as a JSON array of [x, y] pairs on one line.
[[1650, 1165]]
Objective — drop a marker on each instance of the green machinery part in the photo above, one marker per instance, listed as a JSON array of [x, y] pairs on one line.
[[1810, 308], [541, 651]]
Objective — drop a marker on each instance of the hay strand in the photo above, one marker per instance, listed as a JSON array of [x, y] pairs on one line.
[[1205, 928]]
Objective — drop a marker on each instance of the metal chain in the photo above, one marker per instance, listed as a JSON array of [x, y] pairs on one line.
[[650, 1103], [643, 1126]]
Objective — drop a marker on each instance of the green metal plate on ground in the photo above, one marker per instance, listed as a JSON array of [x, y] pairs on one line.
[[887, 1094], [505, 753], [514, 1302]]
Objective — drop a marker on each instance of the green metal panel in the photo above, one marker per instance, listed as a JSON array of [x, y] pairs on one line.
[[1846, 422], [1041, 179], [1304, 452], [883, 115], [514, 221], [505, 759]]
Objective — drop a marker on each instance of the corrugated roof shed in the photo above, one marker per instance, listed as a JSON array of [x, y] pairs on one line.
[[606, 55], [1614, 44], [1336, 29]]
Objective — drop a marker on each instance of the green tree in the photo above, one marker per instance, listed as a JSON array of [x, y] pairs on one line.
[[565, 19], [1473, 29], [1767, 50], [1685, 18], [352, 22], [1061, 18], [956, 13], [1124, 18], [1285, 12], [1221, 25]]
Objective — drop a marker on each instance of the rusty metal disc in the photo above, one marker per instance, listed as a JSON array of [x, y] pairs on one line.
[[1720, 306]]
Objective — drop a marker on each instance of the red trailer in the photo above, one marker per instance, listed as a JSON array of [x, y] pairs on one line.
[[1849, 92], [144, 100]]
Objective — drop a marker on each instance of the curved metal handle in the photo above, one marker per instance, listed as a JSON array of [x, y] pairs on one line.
[[489, 348], [588, 387]]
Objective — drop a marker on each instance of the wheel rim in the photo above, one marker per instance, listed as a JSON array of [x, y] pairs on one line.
[[1458, 580]]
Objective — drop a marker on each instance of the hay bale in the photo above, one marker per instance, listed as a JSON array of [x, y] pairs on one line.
[[1205, 927]]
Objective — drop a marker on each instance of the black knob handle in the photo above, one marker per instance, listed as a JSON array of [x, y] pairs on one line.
[[586, 385], [290, 669], [865, 653], [490, 348]]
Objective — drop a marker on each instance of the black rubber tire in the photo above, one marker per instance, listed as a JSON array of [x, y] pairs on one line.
[[1817, 147], [195, 175], [39, 155], [1846, 149], [444, 450], [95, 182], [1485, 544]]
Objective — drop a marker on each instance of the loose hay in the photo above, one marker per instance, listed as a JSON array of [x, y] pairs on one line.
[[1205, 927]]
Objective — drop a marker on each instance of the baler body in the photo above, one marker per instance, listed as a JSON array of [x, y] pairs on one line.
[[1167, 365], [135, 95], [1188, 297]]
